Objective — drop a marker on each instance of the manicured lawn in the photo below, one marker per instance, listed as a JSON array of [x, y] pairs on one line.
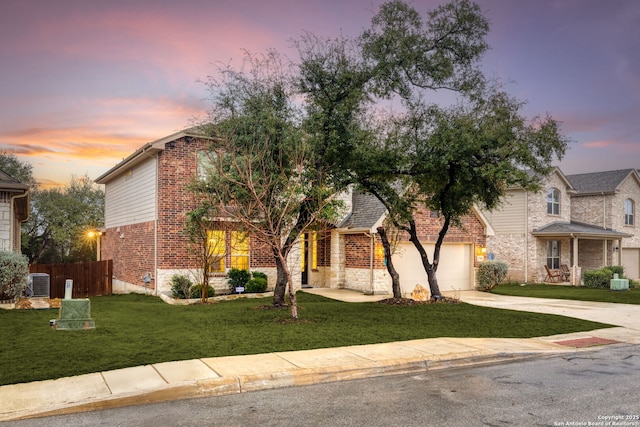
[[632, 296], [136, 330]]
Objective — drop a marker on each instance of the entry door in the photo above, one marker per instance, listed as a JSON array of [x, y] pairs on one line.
[[305, 259]]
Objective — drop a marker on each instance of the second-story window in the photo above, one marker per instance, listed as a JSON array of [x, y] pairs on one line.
[[628, 211], [553, 201]]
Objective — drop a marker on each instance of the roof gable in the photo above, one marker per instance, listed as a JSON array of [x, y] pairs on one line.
[[601, 182]]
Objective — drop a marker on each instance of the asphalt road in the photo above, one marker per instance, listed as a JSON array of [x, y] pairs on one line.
[[600, 387]]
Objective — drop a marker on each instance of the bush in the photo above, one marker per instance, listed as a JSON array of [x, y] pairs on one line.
[[181, 286], [597, 278], [14, 269], [601, 278], [491, 273], [256, 285], [259, 274], [237, 278], [196, 291]]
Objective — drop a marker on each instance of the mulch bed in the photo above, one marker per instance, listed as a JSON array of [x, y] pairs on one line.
[[409, 301]]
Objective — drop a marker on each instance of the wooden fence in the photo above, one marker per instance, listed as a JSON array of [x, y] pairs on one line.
[[90, 279]]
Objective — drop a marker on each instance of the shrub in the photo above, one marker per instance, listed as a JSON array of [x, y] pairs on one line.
[[181, 286], [256, 285], [259, 274], [14, 269], [598, 278], [196, 291], [491, 273], [237, 278]]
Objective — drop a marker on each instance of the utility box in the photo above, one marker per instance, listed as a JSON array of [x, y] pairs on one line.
[[68, 289], [617, 284], [75, 315]]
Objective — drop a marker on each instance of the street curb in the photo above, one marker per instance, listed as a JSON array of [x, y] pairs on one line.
[[255, 382]]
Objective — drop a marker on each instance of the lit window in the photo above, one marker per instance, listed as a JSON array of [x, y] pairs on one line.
[[553, 201], [217, 249], [314, 251], [239, 250], [628, 212]]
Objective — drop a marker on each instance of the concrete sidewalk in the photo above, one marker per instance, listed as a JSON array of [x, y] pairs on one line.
[[237, 374]]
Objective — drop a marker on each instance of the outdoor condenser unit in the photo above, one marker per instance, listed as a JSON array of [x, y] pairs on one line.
[[39, 284]]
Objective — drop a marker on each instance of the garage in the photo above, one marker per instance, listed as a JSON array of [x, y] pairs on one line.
[[631, 262], [454, 273]]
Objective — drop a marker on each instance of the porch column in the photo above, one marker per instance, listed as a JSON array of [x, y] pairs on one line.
[[574, 268], [619, 246], [604, 253]]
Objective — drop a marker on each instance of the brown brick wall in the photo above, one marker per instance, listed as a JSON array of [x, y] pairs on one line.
[[131, 249]]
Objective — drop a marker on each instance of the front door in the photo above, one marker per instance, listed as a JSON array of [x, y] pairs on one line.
[[304, 258]]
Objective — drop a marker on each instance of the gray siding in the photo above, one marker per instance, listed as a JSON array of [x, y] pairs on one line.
[[510, 216], [131, 197]]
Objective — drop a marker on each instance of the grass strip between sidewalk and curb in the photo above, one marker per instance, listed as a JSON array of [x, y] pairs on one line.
[[133, 330]]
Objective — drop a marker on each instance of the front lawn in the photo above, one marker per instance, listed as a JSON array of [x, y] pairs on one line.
[[134, 330], [632, 296]]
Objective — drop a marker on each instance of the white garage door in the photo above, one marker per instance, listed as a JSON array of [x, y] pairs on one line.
[[455, 271], [631, 262]]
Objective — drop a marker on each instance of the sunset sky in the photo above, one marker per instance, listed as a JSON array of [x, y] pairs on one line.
[[85, 83]]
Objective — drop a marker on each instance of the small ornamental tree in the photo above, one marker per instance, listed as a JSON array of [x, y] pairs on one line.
[[14, 269]]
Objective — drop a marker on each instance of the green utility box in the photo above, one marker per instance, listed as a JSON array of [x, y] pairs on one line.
[[617, 284], [75, 314]]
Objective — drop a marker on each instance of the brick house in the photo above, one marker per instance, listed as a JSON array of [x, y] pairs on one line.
[[571, 222], [354, 257], [14, 210], [145, 207], [146, 201]]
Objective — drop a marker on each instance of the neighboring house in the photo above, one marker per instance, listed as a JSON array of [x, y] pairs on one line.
[[556, 227], [608, 200], [14, 210], [145, 206]]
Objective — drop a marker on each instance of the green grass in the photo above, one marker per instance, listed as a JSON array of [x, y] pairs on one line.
[[632, 296], [136, 330]]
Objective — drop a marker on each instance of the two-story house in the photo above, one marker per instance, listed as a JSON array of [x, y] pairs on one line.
[[608, 200], [146, 202], [14, 210], [555, 227]]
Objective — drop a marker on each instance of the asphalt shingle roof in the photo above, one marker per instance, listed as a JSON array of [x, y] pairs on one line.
[[578, 229], [599, 182], [367, 210]]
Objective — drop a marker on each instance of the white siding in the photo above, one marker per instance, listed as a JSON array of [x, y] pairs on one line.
[[5, 226], [131, 197], [510, 216]]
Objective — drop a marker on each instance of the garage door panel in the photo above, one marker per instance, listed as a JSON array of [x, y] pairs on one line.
[[631, 262], [454, 270]]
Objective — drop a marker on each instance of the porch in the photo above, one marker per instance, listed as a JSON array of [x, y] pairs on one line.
[[565, 250]]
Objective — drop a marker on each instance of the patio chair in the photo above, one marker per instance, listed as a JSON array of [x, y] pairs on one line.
[[565, 272], [553, 276]]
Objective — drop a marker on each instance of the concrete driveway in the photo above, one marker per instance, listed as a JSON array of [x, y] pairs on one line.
[[626, 315]]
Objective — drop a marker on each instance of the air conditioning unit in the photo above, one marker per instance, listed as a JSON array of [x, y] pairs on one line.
[[38, 285]]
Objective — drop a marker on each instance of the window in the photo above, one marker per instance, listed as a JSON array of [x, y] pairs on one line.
[[217, 249], [628, 212], [239, 250], [234, 243], [204, 164], [553, 254], [553, 201]]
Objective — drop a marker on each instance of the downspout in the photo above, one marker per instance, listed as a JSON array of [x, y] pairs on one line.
[[526, 237], [11, 218], [155, 234]]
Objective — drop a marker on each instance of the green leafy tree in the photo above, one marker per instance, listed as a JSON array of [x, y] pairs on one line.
[[56, 231], [21, 171], [262, 169]]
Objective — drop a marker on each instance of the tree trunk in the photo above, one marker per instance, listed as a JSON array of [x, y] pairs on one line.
[[395, 277], [429, 268], [281, 282], [292, 295]]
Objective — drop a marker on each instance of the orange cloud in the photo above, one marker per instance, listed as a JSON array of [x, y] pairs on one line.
[[599, 144]]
